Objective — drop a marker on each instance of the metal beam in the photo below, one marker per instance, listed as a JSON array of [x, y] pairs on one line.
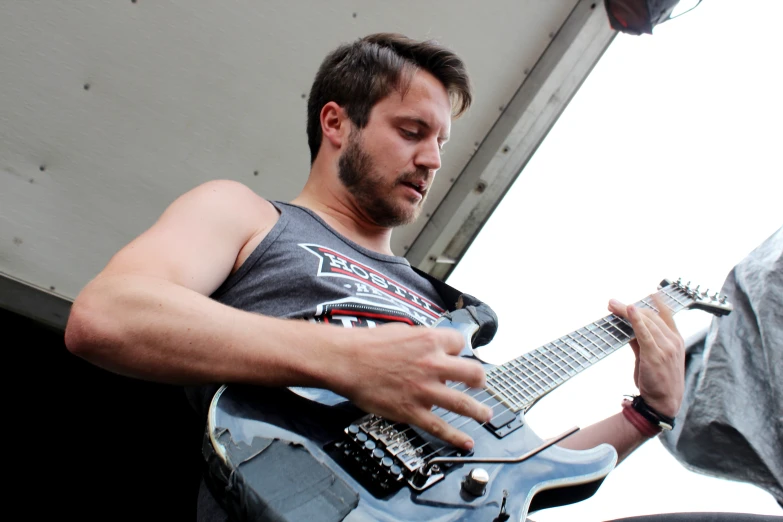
[[513, 140], [34, 302]]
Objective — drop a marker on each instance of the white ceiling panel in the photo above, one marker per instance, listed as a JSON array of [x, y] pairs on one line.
[[110, 110]]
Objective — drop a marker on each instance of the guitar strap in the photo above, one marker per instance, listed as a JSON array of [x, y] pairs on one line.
[[479, 311]]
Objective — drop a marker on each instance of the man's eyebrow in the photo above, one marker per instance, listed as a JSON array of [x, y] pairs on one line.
[[424, 124]]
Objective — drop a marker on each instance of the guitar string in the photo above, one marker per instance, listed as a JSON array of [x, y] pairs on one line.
[[419, 450], [517, 396], [478, 426], [610, 320], [609, 344], [594, 355]]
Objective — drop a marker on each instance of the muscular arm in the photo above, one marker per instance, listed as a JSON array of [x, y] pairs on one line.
[[148, 315]]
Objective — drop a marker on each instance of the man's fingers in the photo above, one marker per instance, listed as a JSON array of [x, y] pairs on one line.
[[643, 334], [662, 333], [463, 404], [437, 426], [644, 328], [458, 369], [618, 308], [665, 313], [452, 341], [635, 347]]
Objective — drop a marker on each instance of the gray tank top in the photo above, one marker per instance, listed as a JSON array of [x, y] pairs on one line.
[[304, 269]]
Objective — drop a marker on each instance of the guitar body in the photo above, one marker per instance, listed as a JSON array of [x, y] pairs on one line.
[[241, 416], [281, 454]]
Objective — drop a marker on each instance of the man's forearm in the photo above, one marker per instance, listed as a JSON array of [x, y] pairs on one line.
[[614, 430], [153, 329]]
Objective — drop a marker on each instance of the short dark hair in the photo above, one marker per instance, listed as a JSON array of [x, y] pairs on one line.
[[358, 75]]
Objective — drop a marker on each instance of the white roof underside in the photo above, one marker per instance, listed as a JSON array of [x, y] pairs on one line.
[[110, 110]]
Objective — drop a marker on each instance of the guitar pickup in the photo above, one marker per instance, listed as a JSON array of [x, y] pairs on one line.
[[504, 421]]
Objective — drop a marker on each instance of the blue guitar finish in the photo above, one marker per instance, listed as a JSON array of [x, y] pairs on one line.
[[245, 413], [243, 421]]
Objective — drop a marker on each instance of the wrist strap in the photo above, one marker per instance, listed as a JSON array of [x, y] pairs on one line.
[[654, 417], [644, 426]]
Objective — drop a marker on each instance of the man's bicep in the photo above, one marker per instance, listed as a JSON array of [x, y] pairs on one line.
[[196, 241]]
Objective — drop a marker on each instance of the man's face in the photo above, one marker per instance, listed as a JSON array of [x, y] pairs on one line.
[[389, 165]]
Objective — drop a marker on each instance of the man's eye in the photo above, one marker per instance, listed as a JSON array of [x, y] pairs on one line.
[[409, 134]]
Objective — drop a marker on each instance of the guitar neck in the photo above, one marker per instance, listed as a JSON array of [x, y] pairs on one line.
[[521, 382]]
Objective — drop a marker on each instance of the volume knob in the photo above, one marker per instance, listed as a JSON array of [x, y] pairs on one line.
[[476, 482]]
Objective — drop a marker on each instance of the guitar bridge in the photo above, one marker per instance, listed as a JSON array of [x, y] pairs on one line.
[[384, 456]]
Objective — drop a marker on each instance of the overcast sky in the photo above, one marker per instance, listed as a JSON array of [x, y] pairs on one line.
[[666, 164]]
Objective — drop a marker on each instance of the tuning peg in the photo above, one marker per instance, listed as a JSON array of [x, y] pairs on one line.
[[714, 297], [723, 299], [705, 293]]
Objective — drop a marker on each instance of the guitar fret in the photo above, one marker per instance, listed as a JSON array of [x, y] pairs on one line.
[[649, 305], [620, 334], [610, 333], [594, 330], [534, 361], [537, 373], [497, 382], [603, 351], [583, 347], [554, 366], [529, 385], [502, 395], [556, 378], [500, 381], [509, 396], [552, 373], [521, 377], [555, 363], [570, 358], [548, 382], [624, 326], [570, 354], [682, 304], [675, 300]]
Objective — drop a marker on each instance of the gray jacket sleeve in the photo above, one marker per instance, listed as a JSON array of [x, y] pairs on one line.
[[730, 424]]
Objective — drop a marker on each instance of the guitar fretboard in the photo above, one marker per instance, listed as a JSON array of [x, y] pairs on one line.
[[520, 383]]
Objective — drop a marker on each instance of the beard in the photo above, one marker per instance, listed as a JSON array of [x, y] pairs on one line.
[[358, 173]]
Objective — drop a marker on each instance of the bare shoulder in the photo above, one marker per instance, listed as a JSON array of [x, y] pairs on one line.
[[230, 200], [202, 237]]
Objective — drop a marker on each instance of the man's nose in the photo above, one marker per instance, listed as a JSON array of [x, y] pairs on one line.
[[428, 156]]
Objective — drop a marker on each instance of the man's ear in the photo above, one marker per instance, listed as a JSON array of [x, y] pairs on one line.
[[335, 124]]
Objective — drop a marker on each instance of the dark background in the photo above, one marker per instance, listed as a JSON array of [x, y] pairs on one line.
[[89, 444]]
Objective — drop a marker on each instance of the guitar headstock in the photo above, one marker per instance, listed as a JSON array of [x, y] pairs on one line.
[[700, 300]]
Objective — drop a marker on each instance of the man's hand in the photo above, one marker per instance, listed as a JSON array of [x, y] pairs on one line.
[[400, 372], [659, 372]]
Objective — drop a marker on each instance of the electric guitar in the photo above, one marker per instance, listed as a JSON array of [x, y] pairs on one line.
[[294, 454]]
